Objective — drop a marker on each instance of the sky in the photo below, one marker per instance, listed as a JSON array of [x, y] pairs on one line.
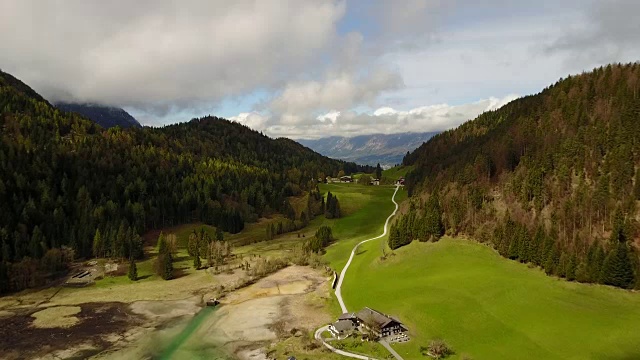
[[310, 68]]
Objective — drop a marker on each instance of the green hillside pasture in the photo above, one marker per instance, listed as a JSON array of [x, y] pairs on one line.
[[366, 208], [396, 172], [491, 308]]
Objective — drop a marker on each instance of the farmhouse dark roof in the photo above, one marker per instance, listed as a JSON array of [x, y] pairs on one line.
[[343, 325], [347, 316], [379, 318]]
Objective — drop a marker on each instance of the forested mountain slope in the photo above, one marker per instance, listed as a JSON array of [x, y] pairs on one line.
[[550, 179], [105, 116], [63, 179]]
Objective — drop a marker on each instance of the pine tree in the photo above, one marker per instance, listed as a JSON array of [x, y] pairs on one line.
[[162, 244], [595, 260], [617, 269], [36, 243], [433, 217], [168, 267], [219, 234], [553, 260], [119, 246], [133, 271], [164, 261], [98, 245], [393, 237], [537, 246]]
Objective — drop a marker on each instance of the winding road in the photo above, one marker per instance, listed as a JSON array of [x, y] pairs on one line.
[[353, 253], [318, 334]]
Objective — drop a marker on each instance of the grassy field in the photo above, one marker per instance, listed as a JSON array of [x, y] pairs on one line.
[[366, 209], [396, 172], [488, 307], [356, 345]]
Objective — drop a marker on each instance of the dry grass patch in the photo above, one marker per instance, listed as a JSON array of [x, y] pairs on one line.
[[56, 317]]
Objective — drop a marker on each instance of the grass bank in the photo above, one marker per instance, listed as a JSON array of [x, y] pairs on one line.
[[492, 308]]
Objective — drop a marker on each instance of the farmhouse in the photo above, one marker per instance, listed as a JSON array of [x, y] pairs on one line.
[[400, 181], [375, 181], [346, 179], [342, 327], [378, 323]]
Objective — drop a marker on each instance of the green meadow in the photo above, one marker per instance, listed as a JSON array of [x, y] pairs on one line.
[[487, 307], [364, 208], [396, 172]]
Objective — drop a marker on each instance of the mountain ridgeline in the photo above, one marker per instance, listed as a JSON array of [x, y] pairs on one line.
[[551, 179], [105, 116], [65, 181], [385, 149]]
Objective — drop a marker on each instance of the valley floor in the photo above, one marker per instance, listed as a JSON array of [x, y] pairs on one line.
[[484, 306]]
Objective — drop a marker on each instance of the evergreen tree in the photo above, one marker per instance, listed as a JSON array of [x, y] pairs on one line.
[[378, 171], [133, 271], [553, 260], [168, 267], [37, 243], [537, 246], [192, 243], [617, 269], [595, 260], [98, 244], [164, 261], [393, 237], [162, 244], [219, 234]]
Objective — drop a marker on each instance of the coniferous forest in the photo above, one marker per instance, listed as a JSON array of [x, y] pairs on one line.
[[551, 179], [65, 181]]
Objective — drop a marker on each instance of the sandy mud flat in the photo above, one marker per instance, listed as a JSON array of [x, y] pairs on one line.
[[51, 324]]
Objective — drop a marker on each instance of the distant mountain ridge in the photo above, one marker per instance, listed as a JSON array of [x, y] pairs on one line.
[[386, 149], [105, 116]]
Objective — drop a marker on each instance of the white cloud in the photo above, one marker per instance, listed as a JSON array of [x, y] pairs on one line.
[[607, 32], [253, 120], [337, 92], [385, 120], [308, 68], [152, 53]]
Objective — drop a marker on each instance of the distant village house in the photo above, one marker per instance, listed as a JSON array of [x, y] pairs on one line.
[[346, 179]]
